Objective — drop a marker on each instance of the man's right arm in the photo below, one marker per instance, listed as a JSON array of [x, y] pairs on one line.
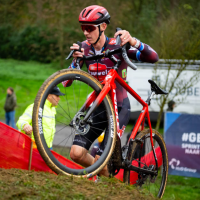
[[76, 54], [24, 124], [68, 83]]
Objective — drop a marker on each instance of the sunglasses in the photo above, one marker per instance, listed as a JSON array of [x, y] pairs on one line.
[[88, 27]]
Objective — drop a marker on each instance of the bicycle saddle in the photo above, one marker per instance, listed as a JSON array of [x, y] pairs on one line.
[[155, 88]]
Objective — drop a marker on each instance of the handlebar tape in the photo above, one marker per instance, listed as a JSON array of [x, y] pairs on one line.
[[80, 45], [124, 49]]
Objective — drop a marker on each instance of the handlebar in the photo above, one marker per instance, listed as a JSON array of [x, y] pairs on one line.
[[126, 58], [124, 52], [108, 54]]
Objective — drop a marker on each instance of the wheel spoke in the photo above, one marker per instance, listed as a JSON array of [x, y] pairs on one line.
[[72, 138]]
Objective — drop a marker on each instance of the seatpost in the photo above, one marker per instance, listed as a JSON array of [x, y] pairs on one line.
[[148, 101]]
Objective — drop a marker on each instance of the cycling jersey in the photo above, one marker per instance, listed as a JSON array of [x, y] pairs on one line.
[[100, 68]]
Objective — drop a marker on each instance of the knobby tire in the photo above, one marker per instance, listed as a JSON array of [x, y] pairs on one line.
[[83, 84], [155, 185]]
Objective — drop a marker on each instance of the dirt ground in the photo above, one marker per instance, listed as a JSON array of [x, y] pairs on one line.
[[23, 184]]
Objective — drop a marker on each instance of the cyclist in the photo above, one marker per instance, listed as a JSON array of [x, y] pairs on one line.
[[94, 20]]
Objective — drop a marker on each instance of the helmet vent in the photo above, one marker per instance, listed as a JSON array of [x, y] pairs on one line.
[[88, 13], [83, 12], [101, 15]]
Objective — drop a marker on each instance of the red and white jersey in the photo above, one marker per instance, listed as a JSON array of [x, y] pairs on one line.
[[100, 68]]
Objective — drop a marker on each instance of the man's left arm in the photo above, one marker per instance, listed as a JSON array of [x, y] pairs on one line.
[[138, 51], [143, 52]]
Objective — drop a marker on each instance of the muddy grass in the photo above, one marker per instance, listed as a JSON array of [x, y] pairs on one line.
[[22, 184]]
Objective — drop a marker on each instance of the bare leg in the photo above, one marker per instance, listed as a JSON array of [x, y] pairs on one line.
[[104, 171], [81, 156]]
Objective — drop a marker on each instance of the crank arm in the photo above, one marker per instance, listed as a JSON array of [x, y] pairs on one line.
[[138, 169]]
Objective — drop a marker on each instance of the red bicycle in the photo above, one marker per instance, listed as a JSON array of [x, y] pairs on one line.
[[145, 153]]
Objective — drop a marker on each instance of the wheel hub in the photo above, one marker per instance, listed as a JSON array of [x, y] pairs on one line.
[[79, 125]]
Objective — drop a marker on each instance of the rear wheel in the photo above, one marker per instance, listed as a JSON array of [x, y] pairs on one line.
[[68, 120], [142, 156]]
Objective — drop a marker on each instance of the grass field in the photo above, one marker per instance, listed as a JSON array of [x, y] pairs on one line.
[[26, 79], [182, 188], [21, 184]]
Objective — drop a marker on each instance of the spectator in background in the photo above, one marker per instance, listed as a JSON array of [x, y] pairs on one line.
[[171, 105], [24, 123], [9, 107]]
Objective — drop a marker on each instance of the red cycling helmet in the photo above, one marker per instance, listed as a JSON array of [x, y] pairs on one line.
[[94, 15]]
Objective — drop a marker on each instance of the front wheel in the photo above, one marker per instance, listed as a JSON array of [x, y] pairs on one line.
[[70, 129], [142, 156]]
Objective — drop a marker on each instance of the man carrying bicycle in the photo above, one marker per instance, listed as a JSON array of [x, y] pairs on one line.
[[94, 20]]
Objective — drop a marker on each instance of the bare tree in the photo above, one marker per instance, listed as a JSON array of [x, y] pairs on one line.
[[179, 41], [175, 81]]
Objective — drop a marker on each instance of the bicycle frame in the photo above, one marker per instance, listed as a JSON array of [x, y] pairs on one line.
[[109, 87]]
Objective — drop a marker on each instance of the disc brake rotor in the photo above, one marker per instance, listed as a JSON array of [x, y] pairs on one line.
[[79, 125]]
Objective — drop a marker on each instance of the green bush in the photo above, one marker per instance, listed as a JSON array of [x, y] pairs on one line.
[[30, 43], [34, 43], [6, 32]]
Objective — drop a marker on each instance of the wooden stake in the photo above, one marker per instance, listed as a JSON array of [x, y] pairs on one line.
[[30, 156]]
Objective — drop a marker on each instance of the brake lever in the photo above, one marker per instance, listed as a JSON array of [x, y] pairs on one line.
[[71, 52], [78, 59], [118, 39]]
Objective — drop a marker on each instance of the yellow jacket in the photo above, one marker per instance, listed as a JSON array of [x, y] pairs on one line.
[[48, 121]]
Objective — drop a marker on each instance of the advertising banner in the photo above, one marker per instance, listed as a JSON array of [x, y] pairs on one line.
[[182, 137]]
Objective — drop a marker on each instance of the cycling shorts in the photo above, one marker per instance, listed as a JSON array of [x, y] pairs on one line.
[[99, 125]]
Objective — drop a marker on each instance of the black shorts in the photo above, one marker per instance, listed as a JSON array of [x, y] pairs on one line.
[[99, 125]]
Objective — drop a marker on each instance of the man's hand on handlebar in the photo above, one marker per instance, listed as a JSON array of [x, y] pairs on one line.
[[77, 53], [125, 37]]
